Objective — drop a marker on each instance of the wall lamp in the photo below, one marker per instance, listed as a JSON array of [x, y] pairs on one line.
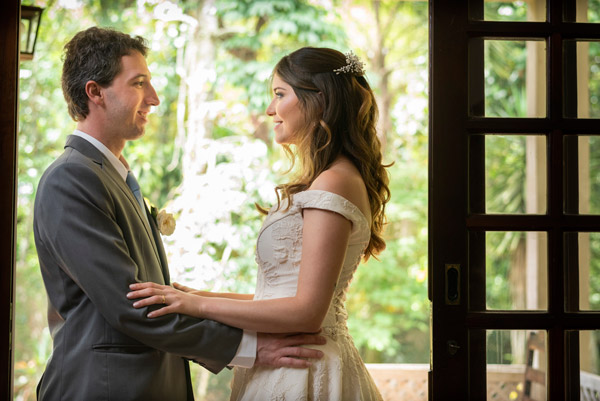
[[31, 17]]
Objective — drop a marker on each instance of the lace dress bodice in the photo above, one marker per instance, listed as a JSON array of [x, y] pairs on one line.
[[341, 374], [279, 249]]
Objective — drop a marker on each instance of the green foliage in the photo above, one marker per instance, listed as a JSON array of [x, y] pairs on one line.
[[505, 174], [502, 11], [505, 94], [594, 168], [258, 33], [387, 303], [387, 300]]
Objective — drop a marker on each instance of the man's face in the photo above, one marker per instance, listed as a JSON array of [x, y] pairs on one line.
[[129, 98]]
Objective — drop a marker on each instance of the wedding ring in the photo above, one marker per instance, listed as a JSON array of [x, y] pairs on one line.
[[164, 300]]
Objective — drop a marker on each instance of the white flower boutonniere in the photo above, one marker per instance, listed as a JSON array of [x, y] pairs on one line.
[[164, 221]]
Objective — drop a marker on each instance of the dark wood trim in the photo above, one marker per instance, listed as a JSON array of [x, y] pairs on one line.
[[9, 81], [529, 222], [533, 30], [534, 320], [448, 200], [532, 126]]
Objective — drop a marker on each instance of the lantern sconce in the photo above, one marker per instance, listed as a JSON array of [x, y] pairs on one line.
[[31, 17]]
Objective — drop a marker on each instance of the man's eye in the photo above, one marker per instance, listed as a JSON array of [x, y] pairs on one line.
[[139, 84]]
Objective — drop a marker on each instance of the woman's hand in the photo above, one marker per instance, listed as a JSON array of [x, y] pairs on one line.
[[187, 289], [175, 300]]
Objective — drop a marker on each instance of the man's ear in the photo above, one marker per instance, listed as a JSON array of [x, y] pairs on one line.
[[94, 92]]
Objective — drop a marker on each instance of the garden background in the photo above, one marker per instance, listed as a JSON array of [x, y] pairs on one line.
[[208, 154]]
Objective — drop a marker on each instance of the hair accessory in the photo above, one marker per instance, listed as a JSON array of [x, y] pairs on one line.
[[353, 65]]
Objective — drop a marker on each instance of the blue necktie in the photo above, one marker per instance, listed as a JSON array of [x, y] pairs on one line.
[[137, 192]]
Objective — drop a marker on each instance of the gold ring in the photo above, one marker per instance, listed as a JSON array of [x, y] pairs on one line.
[[164, 300]]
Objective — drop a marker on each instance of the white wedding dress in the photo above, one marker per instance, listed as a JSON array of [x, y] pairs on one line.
[[341, 374]]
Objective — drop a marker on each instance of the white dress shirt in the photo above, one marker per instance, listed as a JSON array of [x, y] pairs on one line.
[[246, 352]]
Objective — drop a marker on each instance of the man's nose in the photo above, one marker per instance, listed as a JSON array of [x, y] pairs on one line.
[[152, 97]]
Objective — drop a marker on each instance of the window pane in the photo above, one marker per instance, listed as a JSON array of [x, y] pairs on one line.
[[588, 172], [589, 362], [513, 11], [582, 80], [515, 174], [588, 11], [515, 78], [589, 271], [516, 364], [516, 270]]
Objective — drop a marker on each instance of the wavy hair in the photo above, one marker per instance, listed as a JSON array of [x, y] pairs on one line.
[[94, 55], [341, 115]]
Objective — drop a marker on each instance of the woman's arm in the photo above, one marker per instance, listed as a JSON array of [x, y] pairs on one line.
[[231, 295], [324, 240]]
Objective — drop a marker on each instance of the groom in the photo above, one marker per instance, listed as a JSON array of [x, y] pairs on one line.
[[94, 238]]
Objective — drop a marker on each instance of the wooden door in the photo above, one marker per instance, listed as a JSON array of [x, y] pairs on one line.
[[555, 224]]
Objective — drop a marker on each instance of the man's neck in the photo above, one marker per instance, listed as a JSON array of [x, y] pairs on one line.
[[112, 142]]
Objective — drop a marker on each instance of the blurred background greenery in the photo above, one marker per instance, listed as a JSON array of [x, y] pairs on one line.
[[208, 155]]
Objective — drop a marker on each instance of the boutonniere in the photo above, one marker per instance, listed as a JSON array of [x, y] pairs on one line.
[[164, 221]]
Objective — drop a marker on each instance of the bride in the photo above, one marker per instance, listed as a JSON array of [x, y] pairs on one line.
[[328, 218]]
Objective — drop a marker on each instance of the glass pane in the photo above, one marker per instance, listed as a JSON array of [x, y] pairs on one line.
[[587, 11], [515, 174], [589, 271], [589, 362], [516, 364], [516, 270], [588, 176], [513, 11], [515, 78], [582, 83]]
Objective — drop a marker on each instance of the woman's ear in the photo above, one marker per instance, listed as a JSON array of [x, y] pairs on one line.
[[94, 92]]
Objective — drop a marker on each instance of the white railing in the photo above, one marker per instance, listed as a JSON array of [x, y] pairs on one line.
[[400, 382]]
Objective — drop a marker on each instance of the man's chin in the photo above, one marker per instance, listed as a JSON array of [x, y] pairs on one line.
[[141, 131]]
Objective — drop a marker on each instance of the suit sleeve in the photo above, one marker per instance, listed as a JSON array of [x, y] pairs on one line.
[[84, 229]]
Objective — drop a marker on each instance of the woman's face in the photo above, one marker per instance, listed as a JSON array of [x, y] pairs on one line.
[[286, 112]]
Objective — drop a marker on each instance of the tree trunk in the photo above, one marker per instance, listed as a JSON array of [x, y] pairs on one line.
[[199, 67], [517, 280], [384, 99], [196, 65]]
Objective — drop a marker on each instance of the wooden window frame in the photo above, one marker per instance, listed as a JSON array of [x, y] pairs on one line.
[[457, 217], [9, 81]]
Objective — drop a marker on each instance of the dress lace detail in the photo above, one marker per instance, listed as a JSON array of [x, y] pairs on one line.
[[341, 374]]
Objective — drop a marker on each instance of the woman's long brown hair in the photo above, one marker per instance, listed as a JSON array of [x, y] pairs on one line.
[[341, 116]]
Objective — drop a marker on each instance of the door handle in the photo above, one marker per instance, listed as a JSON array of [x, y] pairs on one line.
[[452, 284]]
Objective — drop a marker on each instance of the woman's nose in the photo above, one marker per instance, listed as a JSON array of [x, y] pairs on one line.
[[271, 110]]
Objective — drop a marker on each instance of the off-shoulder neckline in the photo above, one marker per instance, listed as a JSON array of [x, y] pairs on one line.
[[339, 196]]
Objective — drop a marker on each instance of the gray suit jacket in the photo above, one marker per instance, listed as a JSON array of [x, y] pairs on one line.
[[92, 242]]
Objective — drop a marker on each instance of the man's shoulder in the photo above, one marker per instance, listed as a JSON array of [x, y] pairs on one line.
[[69, 162]]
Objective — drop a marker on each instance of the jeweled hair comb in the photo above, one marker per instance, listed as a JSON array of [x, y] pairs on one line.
[[353, 65]]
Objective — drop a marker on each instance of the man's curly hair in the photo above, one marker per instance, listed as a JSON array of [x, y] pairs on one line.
[[94, 55]]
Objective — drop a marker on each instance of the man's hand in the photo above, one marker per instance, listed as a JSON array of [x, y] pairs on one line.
[[280, 350]]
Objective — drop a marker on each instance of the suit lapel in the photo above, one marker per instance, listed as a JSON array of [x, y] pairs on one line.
[[90, 151], [159, 246]]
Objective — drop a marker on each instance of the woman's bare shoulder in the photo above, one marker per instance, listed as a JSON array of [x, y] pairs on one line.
[[344, 179]]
